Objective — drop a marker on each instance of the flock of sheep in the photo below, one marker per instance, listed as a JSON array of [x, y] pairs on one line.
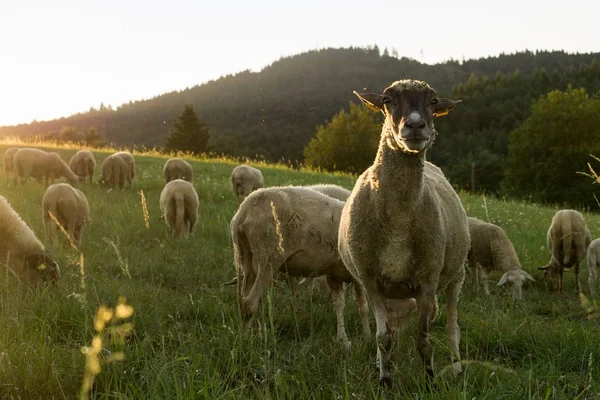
[[401, 236]]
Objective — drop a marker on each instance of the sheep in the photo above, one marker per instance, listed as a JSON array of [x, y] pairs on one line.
[[335, 191], [69, 207], [83, 164], [8, 161], [293, 230], [40, 164], [130, 161], [21, 251], [176, 168], [492, 250], [593, 258], [244, 180], [179, 205], [114, 172], [403, 231], [568, 238]]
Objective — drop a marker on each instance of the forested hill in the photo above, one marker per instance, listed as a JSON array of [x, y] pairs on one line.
[[274, 112]]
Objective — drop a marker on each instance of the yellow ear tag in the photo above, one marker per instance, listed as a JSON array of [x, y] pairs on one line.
[[42, 266], [441, 114]]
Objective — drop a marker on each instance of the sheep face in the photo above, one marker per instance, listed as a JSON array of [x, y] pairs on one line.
[[515, 280], [44, 264], [552, 276], [409, 107]]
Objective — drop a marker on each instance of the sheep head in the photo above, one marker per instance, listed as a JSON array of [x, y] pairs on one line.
[[552, 275], [44, 264], [409, 107], [515, 279]]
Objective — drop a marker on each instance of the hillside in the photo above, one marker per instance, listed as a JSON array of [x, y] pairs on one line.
[[274, 112]]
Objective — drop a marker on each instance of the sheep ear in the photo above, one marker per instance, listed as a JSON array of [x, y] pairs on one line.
[[544, 268], [372, 100], [527, 276], [503, 280], [443, 106]]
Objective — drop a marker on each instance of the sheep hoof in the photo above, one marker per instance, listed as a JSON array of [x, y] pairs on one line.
[[385, 382], [347, 344], [456, 368]]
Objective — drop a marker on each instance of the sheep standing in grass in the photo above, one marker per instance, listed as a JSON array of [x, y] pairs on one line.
[[41, 165], [70, 208], [568, 239], [491, 250], [83, 164], [114, 172], [179, 205], [593, 258], [20, 249], [176, 168], [292, 230], [8, 161], [403, 231], [130, 162], [244, 180]]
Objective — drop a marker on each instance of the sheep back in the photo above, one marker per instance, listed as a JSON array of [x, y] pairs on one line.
[[568, 238], [244, 180], [70, 208], [8, 160], [130, 161], [83, 164], [335, 191], [176, 168], [114, 171], [491, 247], [179, 205]]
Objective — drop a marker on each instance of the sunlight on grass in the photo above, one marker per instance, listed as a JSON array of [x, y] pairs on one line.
[[145, 210]]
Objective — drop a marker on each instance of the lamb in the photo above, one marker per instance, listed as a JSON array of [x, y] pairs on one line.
[[176, 168], [130, 161], [8, 161], [179, 205], [568, 238], [83, 164], [293, 230], [21, 251], [593, 258], [114, 172], [70, 208], [244, 180], [403, 231], [492, 250], [335, 191], [40, 165]]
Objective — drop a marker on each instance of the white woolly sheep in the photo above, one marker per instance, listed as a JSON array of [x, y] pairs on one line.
[[8, 161], [335, 191], [130, 161], [568, 239], [40, 165], [244, 180], [179, 205], [20, 249], [83, 164], [176, 168], [403, 231], [292, 230], [70, 208], [491, 250], [114, 172], [593, 258]]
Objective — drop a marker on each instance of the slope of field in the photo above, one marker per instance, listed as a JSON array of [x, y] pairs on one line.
[[186, 341]]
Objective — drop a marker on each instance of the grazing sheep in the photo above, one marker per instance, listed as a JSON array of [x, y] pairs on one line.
[[294, 230], [41, 165], [179, 205], [568, 239], [130, 161], [244, 180], [593, 258], [83, 164], [491, 250], [20, 249], [335, 191], [70, 208], [8, 161], [176, 168], [403, 231], [114, 172]]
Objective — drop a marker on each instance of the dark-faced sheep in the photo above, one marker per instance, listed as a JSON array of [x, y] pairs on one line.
[[403, 231], [130, 162], [291, 230], [244, 180], [8, 161], [568, 239], [42, 165], [179, 205], [83, 164], [176, 168], [114, 172], [490, 251], [69, 207], [21, 251]]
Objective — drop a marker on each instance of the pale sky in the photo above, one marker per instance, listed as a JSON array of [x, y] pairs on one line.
[[60, 57]]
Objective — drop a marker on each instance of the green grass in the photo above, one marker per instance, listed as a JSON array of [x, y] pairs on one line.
[[186, 341]]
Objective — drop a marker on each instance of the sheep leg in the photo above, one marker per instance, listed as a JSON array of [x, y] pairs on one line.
[[261, 281], [425, 307], [363, 308], [452, 329], [560, 279], [593, 275], [577, 286], [339, 303], [485, 279]]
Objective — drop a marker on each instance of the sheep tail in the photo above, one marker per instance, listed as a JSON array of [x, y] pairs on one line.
[[179, 213]]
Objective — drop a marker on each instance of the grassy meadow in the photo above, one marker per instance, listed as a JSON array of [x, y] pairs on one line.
[[185, 341]]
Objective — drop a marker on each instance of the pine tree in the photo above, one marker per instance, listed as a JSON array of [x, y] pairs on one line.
[[188, 133]]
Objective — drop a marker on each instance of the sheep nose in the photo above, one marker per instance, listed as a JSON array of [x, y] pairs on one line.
[[415, 121]]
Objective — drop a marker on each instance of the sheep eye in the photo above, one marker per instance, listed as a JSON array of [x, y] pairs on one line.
[[434, 101], [386, 99]]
